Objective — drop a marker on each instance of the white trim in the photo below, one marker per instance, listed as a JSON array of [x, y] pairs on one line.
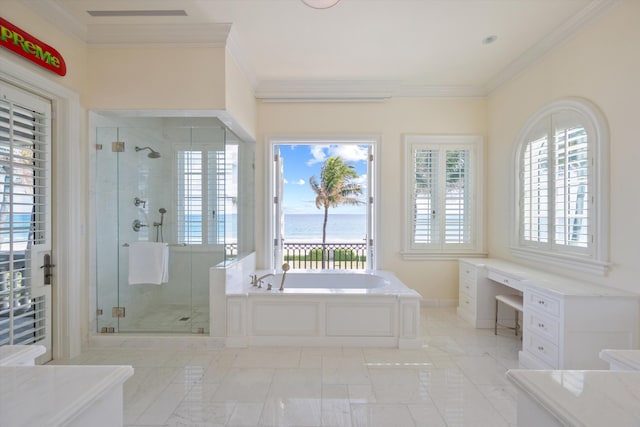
[[474, 249], [69, 247], [271, 141], [597, 262]]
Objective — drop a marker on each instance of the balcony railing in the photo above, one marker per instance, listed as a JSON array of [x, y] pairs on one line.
[[330, 256]]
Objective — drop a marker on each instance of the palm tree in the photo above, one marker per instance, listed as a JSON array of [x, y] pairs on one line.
[[335, 188]]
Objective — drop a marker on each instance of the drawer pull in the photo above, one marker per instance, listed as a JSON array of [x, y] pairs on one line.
[[541, 302], [541, 348], [468, 271], [467, 286], [540, 325], [506, 281]]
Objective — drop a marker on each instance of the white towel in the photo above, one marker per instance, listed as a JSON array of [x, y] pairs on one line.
[[148, 263]]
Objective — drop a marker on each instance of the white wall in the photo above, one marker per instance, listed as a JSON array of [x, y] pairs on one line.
[[602, 64], [435, 280]]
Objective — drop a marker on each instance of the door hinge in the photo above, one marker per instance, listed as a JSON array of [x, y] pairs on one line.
[[108, 330], [117, 312], [371, 157], [275, 200], [371, 199], [99, 312]]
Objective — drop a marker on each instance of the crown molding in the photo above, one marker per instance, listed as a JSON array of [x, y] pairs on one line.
[[172, 34], [355, 90], [556, 38]]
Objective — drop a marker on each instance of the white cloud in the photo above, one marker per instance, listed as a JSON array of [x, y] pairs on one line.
[[361, 179], [348, 152], [319, 156], [285, 181], [301, 182]]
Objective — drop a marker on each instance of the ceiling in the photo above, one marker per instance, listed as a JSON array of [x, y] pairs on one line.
[[356, 49]]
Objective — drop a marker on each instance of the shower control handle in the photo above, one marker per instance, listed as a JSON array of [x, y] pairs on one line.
[[137, 225]]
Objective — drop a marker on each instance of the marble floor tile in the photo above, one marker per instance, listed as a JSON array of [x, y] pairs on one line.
[[457, 379]]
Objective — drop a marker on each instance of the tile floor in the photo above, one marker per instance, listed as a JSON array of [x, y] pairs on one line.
[[456, 379]]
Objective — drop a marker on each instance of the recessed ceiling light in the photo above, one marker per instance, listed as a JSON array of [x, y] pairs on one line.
[[118, 13], [489, 39]]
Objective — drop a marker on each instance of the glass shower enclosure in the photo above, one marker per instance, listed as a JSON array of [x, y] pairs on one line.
[[184, 183]]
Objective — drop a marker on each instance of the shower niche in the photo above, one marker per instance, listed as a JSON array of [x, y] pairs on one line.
[[187, 183]]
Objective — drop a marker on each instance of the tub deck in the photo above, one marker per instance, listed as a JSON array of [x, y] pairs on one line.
[[382, 316]]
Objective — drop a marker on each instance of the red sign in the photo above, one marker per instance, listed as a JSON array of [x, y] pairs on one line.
[[24, 44]]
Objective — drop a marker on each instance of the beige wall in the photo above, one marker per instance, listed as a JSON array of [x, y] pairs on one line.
[[435, 280], [602, 64], [150, 78], [73, 51], [240, 100]]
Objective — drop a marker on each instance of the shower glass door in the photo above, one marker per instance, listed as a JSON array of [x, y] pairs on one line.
[[161, 180]]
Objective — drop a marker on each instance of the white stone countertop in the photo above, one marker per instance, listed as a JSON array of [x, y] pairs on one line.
[[561, 285], [584, 398], [12, 355], [629, 359], [51, 396]]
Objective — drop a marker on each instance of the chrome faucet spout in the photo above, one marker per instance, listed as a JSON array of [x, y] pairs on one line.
[[260, 279]]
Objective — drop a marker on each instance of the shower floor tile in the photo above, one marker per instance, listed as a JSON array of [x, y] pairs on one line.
[[456, 380]]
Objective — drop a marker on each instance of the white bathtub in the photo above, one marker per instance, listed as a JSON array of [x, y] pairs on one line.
[[324, 309]]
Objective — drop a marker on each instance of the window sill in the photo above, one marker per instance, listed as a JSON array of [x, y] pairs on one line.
[[440, 256], [576, 263]]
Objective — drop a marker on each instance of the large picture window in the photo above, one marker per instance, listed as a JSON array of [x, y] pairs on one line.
[[559, 203], [444, 190]]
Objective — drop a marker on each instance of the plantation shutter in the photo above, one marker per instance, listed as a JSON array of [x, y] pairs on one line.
[[24, 222], [535, 193], [425, 195], [190, 197], [555, 190], [442, 196]]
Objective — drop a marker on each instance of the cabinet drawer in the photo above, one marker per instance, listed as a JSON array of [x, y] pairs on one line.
[[467, 302], [505, 280], [542, 302], [468, 287], [541, 325], [468, 272], [541, 348]]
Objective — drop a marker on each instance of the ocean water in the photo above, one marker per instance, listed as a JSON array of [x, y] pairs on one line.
[[341, 228]]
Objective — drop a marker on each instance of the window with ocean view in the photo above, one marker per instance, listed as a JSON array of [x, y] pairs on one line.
[[444, 184], [323, 204]]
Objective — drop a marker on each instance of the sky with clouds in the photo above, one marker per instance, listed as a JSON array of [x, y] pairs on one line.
[[301, 162]]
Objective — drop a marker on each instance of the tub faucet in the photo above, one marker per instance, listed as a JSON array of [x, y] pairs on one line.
[[261, 278]]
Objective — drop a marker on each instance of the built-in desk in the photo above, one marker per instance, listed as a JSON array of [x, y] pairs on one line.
[[565, 322]]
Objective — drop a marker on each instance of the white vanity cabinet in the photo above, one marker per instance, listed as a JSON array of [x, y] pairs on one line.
[[566, 327], [566, 323], [477, 294]]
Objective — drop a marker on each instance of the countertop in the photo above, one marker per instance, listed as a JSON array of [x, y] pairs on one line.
[[584, 398], [51, 396]]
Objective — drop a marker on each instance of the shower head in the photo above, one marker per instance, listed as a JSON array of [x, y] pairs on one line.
[[153, 154]]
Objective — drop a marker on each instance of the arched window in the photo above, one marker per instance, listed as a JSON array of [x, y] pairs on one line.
[[561, 198]]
